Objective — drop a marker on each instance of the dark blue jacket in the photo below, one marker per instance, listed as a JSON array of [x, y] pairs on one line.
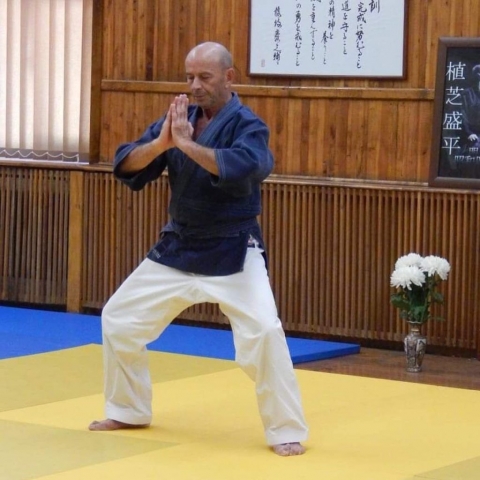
[[210, 216]]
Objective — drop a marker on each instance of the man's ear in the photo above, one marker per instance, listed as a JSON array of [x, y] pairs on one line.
[[229, 76]]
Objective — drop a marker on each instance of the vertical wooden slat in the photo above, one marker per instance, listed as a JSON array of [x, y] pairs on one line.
[[76, 244], [6, 223], [98, 26], [33, 236], [53, 225]]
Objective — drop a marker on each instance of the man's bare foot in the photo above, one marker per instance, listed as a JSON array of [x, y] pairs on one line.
[[289, 449], [109, 424]]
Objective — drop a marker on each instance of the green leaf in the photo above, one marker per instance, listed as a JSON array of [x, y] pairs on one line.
[[437, 297], [400, 302]]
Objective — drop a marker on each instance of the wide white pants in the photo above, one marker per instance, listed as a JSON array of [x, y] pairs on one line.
[[153, 295]]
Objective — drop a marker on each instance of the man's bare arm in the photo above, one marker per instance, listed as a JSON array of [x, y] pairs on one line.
[[143, 155]]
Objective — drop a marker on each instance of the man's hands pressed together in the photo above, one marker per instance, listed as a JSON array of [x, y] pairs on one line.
[[178, 132], [182, 132]]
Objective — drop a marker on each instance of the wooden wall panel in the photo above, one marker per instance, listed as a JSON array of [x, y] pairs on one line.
[[332, 242], [120, 226], [34, 241], [125, 117], [317, 137], [385, 138], [331, 247], [148, 39]]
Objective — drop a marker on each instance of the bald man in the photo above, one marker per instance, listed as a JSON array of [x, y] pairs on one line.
[[211, 250]]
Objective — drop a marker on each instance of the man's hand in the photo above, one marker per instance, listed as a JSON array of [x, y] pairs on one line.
[[181, 128], [143, 155], [182, 135], [165, 139]]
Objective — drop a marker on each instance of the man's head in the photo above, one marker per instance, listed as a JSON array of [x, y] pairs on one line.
[[209, 70]]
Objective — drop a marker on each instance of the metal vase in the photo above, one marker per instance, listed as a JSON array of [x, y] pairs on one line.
[[415, 345]]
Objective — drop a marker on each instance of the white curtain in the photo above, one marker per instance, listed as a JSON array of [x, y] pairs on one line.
[[45, 67]]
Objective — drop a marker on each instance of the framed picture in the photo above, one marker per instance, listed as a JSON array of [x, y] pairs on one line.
[[334, 38], [455, 160]]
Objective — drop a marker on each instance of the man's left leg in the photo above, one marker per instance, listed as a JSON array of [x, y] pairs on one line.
[[247, 300]]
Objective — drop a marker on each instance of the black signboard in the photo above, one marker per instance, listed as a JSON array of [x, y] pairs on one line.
[[455, 149]]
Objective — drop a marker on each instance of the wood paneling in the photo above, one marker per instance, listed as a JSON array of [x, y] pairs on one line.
[[96, 78], [119, 227], [330, 271], [372, 139], [76, 249], [148, 39], [71, 234], [71, 237], [332, 249], [34, 207], [374, 129]]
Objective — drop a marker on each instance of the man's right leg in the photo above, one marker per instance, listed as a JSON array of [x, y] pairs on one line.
[[138, 312]]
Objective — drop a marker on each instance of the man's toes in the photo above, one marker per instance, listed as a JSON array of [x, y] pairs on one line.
[[289, 449], [103, 425], [109, 424]]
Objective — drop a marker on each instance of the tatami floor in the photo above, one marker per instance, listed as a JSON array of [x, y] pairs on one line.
[[206, 424]]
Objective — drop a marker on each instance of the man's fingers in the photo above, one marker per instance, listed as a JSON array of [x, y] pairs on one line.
[[181, 104]]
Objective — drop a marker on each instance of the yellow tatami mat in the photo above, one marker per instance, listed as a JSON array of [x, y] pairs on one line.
[[206, 425]]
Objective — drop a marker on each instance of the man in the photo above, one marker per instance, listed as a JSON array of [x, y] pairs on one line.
[[217, 154]]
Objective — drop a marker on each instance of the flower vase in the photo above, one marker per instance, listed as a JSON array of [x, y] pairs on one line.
[[415, 344]]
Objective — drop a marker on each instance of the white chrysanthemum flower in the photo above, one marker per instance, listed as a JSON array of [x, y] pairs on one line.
[[432, 265], [407, 276], [410, 260]]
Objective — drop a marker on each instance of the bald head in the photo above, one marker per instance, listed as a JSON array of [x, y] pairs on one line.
[[209, 71], [212, 51]]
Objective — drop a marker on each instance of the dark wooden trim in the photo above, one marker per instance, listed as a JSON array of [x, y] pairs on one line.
[[56, 165], [365, 184], [414, 94], [75, 243], [276, 179], [96, 82]]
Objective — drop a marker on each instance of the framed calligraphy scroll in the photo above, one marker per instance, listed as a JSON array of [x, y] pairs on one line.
[[455, 160], [327, 38]]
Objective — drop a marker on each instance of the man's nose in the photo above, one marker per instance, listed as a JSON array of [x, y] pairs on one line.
[[195, 83]]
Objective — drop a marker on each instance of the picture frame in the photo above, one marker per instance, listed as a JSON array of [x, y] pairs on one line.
[[455, 148], [335, 38]]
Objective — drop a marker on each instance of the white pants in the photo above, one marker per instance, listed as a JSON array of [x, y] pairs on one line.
[[153, 295]]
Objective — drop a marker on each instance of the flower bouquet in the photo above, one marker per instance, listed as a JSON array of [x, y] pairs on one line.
[[416, 280]]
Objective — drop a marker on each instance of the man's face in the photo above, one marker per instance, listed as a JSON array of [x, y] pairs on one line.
[[208, 81]]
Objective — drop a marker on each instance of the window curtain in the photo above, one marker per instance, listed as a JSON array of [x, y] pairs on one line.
[[45, 77]]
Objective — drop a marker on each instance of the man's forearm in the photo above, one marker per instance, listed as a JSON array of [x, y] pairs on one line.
[[205, 157], [142, 156]]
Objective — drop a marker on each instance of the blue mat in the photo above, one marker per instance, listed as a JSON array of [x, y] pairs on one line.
[[26, 332]]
